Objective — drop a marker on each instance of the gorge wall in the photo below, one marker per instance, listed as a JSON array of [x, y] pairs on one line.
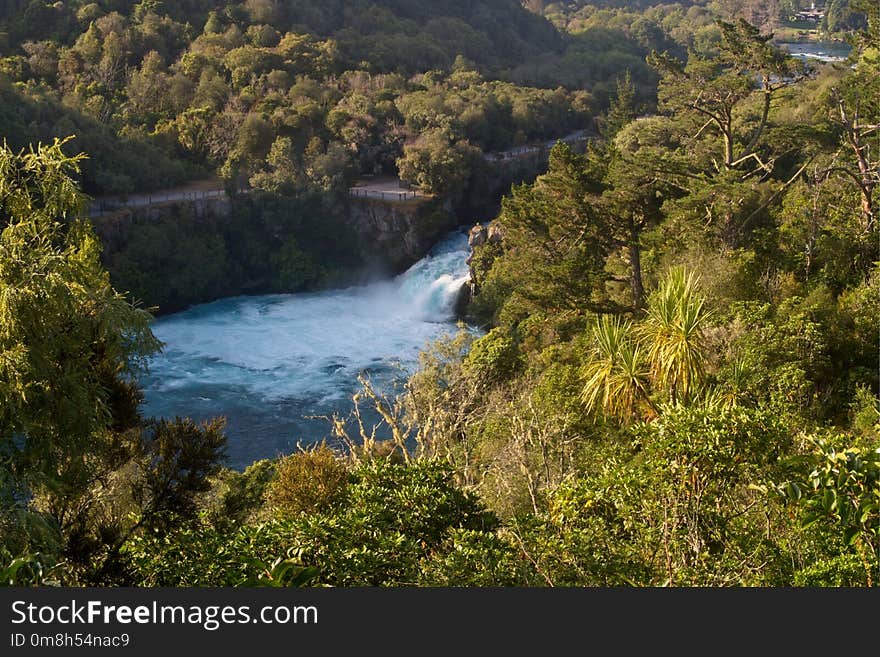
[[395, 234], [177, 254]]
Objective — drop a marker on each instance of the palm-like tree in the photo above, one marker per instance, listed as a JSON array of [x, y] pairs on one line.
[[616, 374], [672, 333]]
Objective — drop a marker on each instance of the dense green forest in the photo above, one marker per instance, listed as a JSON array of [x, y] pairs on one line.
[[292, 100], [676, 381], [279, 95]]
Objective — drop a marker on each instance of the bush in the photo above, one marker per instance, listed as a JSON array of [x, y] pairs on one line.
[[394, 516], [474, 558], [494, 357], [311, 481]]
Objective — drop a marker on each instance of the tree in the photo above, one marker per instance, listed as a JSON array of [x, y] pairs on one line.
[[616, 373], [673, 335], [282, 175], [724, 147], [309, 481], [438, 164], [148, 90], [663, 352], [715, 89], [556, 241], [213, 25], [633, 191], [856, 110], [70, 345]]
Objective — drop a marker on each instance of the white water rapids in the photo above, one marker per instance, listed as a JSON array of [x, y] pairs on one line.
[[266, 362]]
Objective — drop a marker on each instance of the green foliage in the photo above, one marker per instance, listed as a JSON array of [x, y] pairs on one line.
[[66, 334], [296, 268], [757, 181], [841, 497], [169, 263], [475, 558], [260, 245], [27, 570], [493, 358], [285, 573], [436, 164], [118, 163], [237, 497], [310, 481], [79, 471], [202, 556], [616, 374], [802, 351], [159, 94], [678, 507], [179, 458], [672, 331], [555, 244], [395, 515], [844, 570], [664, 352], [866, 413]]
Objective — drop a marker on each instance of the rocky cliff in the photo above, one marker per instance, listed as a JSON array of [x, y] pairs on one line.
[[394, 234], [114, 228], [176, 254]]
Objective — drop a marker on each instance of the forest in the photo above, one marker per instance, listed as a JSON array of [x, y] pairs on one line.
[[675, 378]]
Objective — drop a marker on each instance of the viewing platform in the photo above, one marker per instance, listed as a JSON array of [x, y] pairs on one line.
[[386, 189]]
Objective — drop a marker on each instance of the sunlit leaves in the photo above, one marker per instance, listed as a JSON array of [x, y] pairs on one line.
[[664, 352], [62, 326], [616, 373], [673, 334], [842, 494]]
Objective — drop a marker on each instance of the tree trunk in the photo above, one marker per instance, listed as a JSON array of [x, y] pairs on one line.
[[765, 113], [728, 150], [635, 262], [855, 134], [727, 131], [868, 206]]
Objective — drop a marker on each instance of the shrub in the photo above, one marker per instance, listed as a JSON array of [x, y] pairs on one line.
[[311, 481]]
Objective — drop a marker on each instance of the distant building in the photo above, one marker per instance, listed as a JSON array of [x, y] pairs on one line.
[[811, 15]]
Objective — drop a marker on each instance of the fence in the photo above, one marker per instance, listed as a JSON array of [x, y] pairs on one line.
[[359, 192], [542, 149], [111, 204]]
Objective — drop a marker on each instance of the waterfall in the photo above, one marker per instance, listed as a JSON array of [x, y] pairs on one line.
[[430, 288], [268, 363]]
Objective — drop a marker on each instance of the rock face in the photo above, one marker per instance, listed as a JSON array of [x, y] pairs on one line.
[[481, 235], [376, 238], [113, 228], [396, 234], [393, 234], [478, 236]]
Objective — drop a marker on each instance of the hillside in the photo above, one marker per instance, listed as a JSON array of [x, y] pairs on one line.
[[298, 95], [406, 35]]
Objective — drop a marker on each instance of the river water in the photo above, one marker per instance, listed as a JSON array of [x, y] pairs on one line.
[[821, 51], [267, 363]]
